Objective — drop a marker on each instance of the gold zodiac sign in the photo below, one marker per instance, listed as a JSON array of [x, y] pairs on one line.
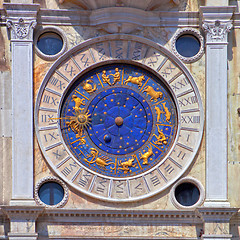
[[161, 138], [158, 112], [116, 76], [89, 87], [146, 155], [106, 78], [154, 94], [102, 161], [125, 165], [78, 102], [135, 80], [167, 113]]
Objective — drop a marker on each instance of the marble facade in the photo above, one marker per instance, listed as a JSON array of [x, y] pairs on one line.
[[215, 165]]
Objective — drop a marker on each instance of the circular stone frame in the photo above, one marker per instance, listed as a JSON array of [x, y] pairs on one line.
[[51, 179], [193, 32], [144, 53], [188, 180], [51, 29]]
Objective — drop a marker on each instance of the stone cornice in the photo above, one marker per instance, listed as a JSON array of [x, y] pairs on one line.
[[119, 216], [216, 214], [104, 16], [19, 212], [214, 12]]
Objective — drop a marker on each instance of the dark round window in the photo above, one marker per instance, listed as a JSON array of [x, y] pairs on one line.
[[187, 194], [51, 193], [50, 43], [188, 45]]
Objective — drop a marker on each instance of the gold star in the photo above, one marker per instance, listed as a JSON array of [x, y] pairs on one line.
[[105, 113]]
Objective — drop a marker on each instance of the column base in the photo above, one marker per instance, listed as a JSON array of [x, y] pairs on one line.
[[216, 204], [22, 236], [22, 202], [217, 237]]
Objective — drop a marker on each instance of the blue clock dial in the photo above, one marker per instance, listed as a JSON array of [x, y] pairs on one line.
[[118, 120]]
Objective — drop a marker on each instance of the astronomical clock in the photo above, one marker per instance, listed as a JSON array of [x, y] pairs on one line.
[[119, 119]]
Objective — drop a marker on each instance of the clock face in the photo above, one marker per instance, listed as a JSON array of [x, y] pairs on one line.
[[119, 120]]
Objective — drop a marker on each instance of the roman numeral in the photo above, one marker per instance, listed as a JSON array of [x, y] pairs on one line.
[[190, 119], [187, 101], [58, 83], [84, 180], [168, 70], [101, 51], [180, 84], [69, 69], [67, 170], [155, 181], [154, 58], [119, 52], [102, 187], [169, 169], [50, 100], [137, 51]]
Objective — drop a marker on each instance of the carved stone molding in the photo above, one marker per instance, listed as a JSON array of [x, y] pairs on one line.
[[51, 179], [21, 29], [188, 31], [216, 214], [216, 31]]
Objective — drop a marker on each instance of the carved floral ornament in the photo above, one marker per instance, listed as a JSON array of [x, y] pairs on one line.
[[217, 30], [21, 29]]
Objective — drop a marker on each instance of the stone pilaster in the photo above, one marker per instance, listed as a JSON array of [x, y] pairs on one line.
[[216, 22], [21, 20]]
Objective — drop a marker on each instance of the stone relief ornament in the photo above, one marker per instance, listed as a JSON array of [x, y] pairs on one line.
[[217, 30], [192, 32], [21, 29], [51, 179]]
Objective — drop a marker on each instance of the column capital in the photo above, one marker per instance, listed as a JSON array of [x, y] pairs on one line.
[[216, 30], [217, 23], [21, 20]]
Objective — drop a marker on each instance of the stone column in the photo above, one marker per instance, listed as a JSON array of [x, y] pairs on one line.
[[21, 19], [216, 24]]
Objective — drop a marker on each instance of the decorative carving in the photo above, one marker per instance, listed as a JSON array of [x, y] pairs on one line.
[[51, 179], [188, 31], [21, 29], [217, 30]]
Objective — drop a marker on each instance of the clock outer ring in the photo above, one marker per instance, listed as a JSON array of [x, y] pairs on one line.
[[151, 45]]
